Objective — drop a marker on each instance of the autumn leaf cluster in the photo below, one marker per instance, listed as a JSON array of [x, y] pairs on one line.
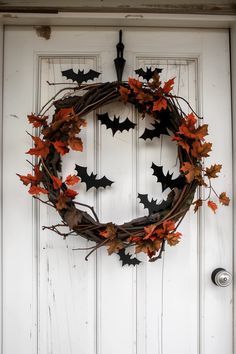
[[147, 97], [149, 242], [191, 138], [58, 137]]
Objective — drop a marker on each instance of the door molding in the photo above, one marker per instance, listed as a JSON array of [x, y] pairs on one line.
[[114, 19], [121, 20]]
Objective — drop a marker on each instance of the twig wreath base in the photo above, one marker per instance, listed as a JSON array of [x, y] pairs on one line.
[[148, 234]]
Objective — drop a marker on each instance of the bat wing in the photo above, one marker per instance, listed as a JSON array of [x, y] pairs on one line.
[[102, 182], [126, 258], [92, 180], [161, 178], [140, 72], [80, 76], [90, 75], [159, 128], [81, 172], [69, 74], [152, 206], [105, 120], [148, 74], [115, 124], [166, 180], [125, 125]]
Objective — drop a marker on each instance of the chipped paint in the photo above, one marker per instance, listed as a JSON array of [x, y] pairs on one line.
[[43, 31]]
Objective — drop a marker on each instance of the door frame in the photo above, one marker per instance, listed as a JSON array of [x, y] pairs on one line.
[[122, 20]]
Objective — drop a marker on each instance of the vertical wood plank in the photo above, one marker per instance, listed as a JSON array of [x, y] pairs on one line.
[[158, 292], [18, 230], [67, 282], [180, 284], [116, 285], [217, 245]]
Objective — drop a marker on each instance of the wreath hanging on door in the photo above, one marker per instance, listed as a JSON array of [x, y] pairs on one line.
[[61, 134]]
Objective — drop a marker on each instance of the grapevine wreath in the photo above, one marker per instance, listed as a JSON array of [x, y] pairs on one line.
[[60, 134]]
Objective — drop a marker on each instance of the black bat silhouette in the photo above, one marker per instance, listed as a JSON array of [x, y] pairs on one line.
[[92, 180], [148, 74], [126, 258], [115, 125], [166, 180], [152, 205], [159, 128], [80, 76]]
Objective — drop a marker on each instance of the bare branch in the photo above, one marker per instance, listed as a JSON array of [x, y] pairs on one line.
[[89, 207]]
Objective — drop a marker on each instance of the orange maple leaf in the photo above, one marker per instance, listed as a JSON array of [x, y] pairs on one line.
[[64, 198], [190, 132], [28, 179], [149, 247], [167, 227], [34, 180], [114, 246], [173, 238], [188, 128], [200, 150], [160, 104], [212, 171], [124, 93], [156, 82], [135, 239], [75, 144], [64, 114], [37, 121], [181, 142], [149, 230], [191, 171], [41, 148], [168, 85], [143, 97], [201, 132], [135, 85], [70, 193], [60, 147], [71, 180], [62, 202], [212, 205], [37, 190], [110, 232], [224, 199], [56, 182], [190, 120]]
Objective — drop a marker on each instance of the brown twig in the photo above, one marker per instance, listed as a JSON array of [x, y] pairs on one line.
[[89, 207], [96, 248], [44, 202]]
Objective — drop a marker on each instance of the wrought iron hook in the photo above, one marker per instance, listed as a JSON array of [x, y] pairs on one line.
[[119, 61]]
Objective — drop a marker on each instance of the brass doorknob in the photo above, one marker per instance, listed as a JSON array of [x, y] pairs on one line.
[[221, 277]]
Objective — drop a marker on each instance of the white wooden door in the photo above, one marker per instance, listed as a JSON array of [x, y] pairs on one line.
[[54, 302]]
